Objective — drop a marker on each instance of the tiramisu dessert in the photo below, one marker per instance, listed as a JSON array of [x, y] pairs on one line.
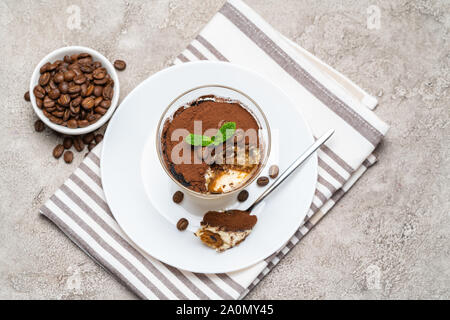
[[224, 230], [211, 145]]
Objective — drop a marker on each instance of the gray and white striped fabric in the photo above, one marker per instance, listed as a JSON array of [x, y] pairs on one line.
[[327, 99]]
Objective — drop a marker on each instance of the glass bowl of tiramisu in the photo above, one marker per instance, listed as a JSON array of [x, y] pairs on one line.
[[213, 141]]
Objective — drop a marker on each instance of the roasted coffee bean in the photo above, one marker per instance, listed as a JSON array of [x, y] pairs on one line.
[[72, 124], [48, 103], [58, 114], [74, 89], [52, 84], [66, 115], [67, 59], [105, 104], [88, 103], [182, 224], [82, 123], [54, 94], [44, 79], [108, 92], [78, 143], [80, 79], [58, 151], [39, 92], [74, 57], [83, 114], [52, 66], [44, 68], [68, 142], [120, 65], [91, 118], [64, 100], [100, 110], [89, 90], [39, 126], [99, 73], [101, 81], [98, 90], [262, 181], [91, 146], [39, 103], [97, 101], [69, 75], [88, 138], [86, 68], [84, 55], [178, 197], [96, 64], [77, 71], [84, 87], [273, 171], [77, 101], [26, 96], [85, 61], [63, 87], [55, 120], [59, 77], [242, 196], [68, 156], [74, 110], [98, 138]]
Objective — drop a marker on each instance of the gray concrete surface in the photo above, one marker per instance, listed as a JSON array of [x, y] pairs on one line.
[[388, 238]]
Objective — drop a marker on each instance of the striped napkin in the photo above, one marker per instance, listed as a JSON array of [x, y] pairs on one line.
[[326, 98]]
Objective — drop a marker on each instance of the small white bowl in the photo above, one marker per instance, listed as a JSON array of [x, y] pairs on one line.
[[59, 54]]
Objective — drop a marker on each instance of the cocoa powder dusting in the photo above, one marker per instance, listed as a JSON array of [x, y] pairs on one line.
[[230, 220], [212, 114]]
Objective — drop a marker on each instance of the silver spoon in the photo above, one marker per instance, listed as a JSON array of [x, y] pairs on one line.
[[300, 160]]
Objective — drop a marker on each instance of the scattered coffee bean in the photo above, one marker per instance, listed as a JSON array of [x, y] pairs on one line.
[[91, 146], [182, 224], [178, 197], [68, 142], [78, 144], [120, 65], [68, 156], [39, 126], [58, 151], [243, 195], [98, 138], [88, 138], [273, 171], [65, 85], [262, 181], [26, 96]]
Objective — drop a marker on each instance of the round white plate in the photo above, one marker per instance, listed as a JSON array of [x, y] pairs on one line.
[[139, 192]]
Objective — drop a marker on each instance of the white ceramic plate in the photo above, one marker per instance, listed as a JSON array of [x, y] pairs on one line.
[[139, 192]]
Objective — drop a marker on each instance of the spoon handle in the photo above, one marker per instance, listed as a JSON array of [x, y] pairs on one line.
[[292, 167]]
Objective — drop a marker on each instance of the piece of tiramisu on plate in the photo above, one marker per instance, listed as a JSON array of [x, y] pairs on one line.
[[222, 230]]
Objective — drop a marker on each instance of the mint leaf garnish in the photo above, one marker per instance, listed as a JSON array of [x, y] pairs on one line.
[[225, 132], [198, 140]]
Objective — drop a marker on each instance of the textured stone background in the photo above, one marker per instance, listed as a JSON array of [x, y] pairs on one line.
[[388, 238]]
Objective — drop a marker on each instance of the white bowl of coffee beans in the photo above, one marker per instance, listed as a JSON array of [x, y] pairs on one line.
[[74, 90]]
